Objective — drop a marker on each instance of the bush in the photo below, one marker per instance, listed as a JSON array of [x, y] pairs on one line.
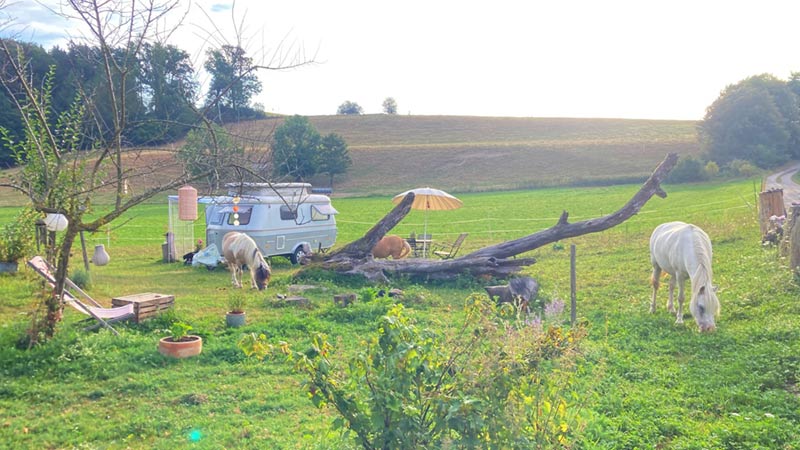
[[711, 169], [688, 169], [492, 384], [82, 278], [17, 237], [742, 168]]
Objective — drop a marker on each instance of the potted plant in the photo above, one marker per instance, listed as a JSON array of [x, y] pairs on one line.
[[180, 344], [16, 240], [235, 316]]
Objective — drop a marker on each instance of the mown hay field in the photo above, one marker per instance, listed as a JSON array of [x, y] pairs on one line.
[[473, 154]]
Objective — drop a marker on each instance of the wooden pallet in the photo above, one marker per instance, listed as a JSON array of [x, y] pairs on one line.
[[145, 305]]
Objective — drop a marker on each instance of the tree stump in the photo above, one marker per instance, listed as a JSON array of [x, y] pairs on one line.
[[342, 300]]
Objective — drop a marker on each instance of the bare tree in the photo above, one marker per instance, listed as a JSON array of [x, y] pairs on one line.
[[56, 175]]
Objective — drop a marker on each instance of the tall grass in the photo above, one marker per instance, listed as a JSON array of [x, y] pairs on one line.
[[645, 382]]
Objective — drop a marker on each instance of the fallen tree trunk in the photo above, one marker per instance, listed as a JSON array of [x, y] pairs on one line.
[[355, 258]]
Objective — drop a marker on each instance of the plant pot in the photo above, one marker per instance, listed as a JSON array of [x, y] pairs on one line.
[[188, 346], [235, 320], [8, 267]]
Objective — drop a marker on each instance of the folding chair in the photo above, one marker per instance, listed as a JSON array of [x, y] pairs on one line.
[[104, 316], [447, 251]]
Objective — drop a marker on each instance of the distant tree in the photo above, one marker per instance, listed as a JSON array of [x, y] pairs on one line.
[[350, 108], [167, 79], [295, 147], [211, 152], [334, 158], [757, 120], [390, 106], [711, 169], [234, 82]]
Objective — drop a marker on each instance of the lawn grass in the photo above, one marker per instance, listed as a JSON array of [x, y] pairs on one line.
[[644, 382]]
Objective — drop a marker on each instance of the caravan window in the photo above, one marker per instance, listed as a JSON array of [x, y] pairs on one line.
[[244, 215], [322, 212], [215, 218], [288, 213]]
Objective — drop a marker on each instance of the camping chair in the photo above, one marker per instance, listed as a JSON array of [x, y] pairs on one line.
[[104, 316], [447, 251], [412, 242], [423, 246]]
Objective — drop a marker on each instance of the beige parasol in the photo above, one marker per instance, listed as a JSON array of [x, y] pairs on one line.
[[429, 199]]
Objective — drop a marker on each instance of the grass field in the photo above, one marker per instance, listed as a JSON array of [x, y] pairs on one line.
[[645, 382]]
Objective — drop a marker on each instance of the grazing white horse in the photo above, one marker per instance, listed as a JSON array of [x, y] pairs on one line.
[[684, 251], [239, 249]]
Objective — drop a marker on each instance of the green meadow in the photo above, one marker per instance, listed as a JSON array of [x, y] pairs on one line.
[[643, 382]]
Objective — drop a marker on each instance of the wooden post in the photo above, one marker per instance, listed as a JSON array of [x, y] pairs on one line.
[[85, 256], [770, 203], [572, 284], [171, 252], [794, 240]]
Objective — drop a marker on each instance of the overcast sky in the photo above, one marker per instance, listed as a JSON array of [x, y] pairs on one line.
[[531, 58]]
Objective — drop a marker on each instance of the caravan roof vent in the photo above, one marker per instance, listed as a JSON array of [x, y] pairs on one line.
[[291, 190]]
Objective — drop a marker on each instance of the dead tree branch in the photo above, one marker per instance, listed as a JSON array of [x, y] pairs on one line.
[[355, 258]]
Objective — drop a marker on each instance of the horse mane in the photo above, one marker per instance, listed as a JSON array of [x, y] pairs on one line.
[[701, 278]]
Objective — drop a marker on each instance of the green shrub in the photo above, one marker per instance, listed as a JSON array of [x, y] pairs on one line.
[[492, 384], [82, 278], [17, 237], [688, 169], [368, 294]]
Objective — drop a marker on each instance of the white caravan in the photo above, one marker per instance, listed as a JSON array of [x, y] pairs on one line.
[[284, 219]]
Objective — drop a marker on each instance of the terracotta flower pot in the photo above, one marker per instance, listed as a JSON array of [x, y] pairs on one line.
[[189, 346], [235, 320]]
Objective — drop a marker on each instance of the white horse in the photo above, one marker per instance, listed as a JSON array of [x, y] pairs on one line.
[[684, 251], [240, 249]]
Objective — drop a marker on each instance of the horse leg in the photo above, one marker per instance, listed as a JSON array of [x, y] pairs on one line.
[[681, 285], [253, 278], [232, 268], [654, 280], [670, 304]]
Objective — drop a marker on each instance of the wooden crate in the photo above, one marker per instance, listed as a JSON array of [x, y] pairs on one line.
[[145, 305]]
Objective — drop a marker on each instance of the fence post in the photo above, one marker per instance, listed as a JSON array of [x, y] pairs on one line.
[[572, 284], [794, 239], [770, 203]]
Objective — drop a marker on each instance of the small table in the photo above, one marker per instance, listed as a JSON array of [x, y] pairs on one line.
[[145, 305]]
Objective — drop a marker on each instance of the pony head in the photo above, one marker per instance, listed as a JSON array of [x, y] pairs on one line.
[[705, 307], [262, 275]]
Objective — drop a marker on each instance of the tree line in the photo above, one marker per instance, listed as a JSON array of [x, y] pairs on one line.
[[162, 97], [753, 124]]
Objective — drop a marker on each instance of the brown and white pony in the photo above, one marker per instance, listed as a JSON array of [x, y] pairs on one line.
[[240, 249], [393, 246], [684, 251]]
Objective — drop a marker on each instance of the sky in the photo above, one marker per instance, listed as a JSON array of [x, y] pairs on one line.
[[528, 58]]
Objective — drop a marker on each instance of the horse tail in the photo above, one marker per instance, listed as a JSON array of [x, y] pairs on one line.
[[405, 250]]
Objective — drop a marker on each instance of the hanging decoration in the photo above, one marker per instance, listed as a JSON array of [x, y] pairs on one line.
[[236, 211], [100, 257], [56, 222]]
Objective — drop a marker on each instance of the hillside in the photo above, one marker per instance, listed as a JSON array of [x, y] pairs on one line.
[[467, 154], [473, 154]]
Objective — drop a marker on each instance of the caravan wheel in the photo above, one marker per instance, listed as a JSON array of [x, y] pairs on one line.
[[297, 255]]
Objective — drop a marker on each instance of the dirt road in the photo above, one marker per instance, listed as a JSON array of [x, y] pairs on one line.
[[783, 180]]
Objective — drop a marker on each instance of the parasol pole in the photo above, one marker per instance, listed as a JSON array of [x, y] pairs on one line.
[[425, 231]]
